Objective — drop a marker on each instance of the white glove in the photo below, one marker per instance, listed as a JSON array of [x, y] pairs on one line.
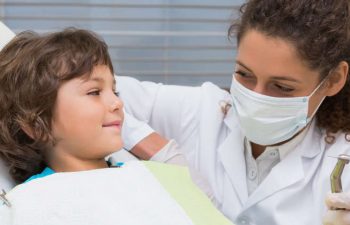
[[172, 154], [337, 217], [133, 131]]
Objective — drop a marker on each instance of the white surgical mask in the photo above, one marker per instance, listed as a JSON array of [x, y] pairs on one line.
[[267, 120]]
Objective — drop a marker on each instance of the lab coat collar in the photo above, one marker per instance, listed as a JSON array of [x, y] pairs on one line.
[[231, 120], [291, 169], [231, 153], [288, 172], [315, 139]]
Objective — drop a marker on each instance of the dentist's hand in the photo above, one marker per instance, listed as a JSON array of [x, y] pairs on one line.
[[337, 217]]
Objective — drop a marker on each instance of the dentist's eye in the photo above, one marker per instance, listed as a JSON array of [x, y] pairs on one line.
[[284, 89], [95, 92], [241, 73]]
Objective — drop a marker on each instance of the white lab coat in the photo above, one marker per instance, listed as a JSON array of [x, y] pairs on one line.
[[294, 191]]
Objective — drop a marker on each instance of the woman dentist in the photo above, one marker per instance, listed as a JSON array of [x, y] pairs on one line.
[[264, 147]]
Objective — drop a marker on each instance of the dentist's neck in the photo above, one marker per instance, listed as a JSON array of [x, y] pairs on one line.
[[257, 150]]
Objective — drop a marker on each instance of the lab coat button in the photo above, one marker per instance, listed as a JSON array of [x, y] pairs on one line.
[[252, 174], [274, 153], [243, 221]]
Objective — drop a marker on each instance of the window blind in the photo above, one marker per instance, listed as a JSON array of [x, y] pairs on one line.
[[170, 41]]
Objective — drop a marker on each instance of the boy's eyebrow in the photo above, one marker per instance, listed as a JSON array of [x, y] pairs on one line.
[[95, 79], [99, 80]]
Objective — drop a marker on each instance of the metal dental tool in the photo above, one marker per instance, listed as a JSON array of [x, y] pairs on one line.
[[4, 199], [336, 185]]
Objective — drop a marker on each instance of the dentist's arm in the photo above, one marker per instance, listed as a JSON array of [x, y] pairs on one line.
[[149, 146], [141, 140], [146, 144], [337, 201], [170, 111]]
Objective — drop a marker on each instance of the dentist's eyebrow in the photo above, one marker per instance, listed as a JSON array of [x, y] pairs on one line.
[[285, 78], [242, 64]]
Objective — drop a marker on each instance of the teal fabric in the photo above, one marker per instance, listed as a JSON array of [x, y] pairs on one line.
[[46, 172]]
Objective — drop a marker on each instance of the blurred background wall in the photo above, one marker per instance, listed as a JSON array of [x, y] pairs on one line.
[[170, 41]]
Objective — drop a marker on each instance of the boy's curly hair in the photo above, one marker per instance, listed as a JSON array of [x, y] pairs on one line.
[[32, 67]]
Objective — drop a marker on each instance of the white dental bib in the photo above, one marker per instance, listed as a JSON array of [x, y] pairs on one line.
[[129, 195]]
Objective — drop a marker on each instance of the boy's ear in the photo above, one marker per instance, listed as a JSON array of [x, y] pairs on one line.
[[28, 131], [337, 79]]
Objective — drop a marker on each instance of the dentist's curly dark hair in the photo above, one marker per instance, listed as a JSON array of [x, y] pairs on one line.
[[32, 68], [320, 32]]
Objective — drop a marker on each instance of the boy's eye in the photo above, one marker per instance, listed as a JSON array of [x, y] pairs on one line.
[[117, 93], [95, 92]]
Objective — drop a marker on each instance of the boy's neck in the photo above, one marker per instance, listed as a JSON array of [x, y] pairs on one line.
[[67, 163]]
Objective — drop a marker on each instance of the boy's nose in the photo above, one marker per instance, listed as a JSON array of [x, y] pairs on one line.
[[116, 104]]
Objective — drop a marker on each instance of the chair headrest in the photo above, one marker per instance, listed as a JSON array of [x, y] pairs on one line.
[[6, 35], [6, 182]]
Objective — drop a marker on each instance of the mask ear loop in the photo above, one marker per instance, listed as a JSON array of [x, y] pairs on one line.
[[318, 86], [319, 105]]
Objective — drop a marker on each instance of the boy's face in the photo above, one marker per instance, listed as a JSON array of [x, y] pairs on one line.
[[87, 122]]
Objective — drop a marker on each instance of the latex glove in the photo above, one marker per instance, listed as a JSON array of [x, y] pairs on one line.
[[133, 131], [337, 217], [173, 154]]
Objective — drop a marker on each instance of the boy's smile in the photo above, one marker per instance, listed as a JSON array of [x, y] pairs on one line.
[[87, 121], [117, 125]]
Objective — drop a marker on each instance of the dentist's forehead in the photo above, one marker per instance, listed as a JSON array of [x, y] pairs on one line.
[[6, 35]]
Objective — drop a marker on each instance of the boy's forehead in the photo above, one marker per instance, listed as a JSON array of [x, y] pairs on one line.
[[98, 77], [101, 79]]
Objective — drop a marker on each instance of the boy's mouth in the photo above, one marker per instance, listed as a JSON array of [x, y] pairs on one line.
[[116, 123]]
